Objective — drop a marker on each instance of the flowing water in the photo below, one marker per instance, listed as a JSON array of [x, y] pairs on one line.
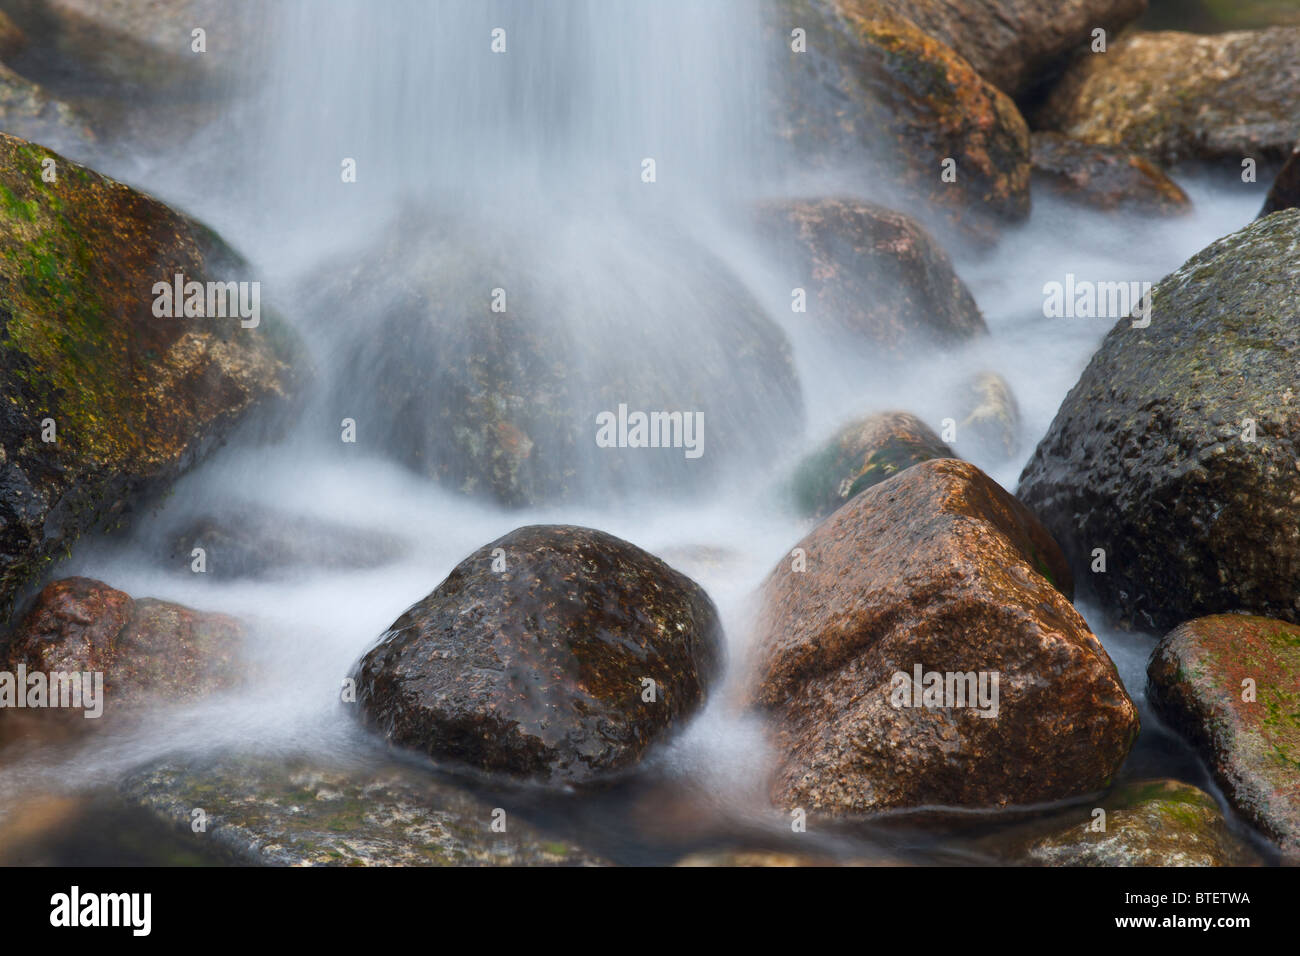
[[551, 135]]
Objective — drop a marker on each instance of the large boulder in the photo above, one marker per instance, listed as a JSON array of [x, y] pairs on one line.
[[937, 569], [105, 401], [555, 653], [1019, 44], [146, 650], [303, 810], [1230, 683], [590, 329], [875, 279], [874, 93], [1183, 96], [1104, 177], [1147, 823], [1285, 191], [861, 454], [1176, 452]]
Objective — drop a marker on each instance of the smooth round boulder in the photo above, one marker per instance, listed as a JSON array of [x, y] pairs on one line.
[[555, 653], [1172, 464], [877, 283], [1230, 684], [534, 363], [915, 651]]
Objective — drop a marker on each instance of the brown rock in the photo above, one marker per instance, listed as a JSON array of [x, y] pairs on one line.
[[1104, 177], [873, 85], [146, 649], [1017, 44], [1196, 682], [874, 277], [1180, 96], [937, 567]]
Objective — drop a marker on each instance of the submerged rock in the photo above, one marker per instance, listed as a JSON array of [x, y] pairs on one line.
[[1104, 177], [1176, 453], [1230, 683], [1285, 192], [247, 541], [1184, 96], [1151, 823], [874, 278], [535, 658], [990, 421], [861, 454], [104, 401], [1019, 44], [515, 364], [937, 569], [305, 811], [872, 85], [146, 649]]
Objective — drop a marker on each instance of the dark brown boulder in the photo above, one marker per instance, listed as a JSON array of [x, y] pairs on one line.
[[875, 279], [1104, 177], [539, 668], [145, 649], [937, 568], [1230, 683]]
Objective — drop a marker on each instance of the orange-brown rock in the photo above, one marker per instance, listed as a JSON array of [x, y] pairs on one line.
[[145, 649], [1104, 177], [937, 567]]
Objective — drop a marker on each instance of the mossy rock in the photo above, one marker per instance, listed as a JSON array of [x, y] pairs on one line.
[[1175, 96], [308, 811], [133, 400], [1150, 823], [861, 454], [1230, 683], [1151, 456]]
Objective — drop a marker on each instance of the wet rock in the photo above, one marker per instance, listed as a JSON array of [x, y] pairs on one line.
[[1019, 44], [104, 402], [873, 86], [539, 670], [874, 278], [145, 649], [1184, 96], [12, 38], [1285, 193], [246, 541], [1148, 457], [937, 568], [1151, 823], [511, 405], [1104, 177], [305, 811], [990, 423], [1249, 733], [28, 111], [861, 454]]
